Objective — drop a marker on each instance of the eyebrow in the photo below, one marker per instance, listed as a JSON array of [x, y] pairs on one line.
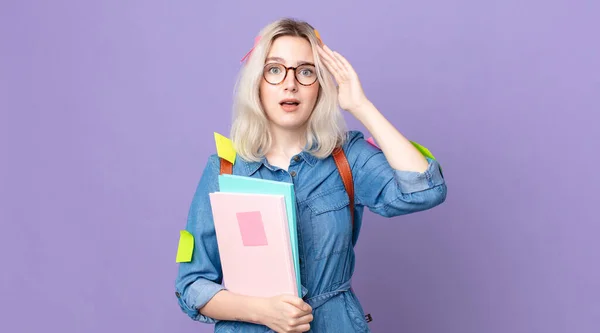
[[298, 63]]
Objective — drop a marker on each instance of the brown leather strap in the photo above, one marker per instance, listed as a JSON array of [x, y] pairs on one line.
[[346, 173], [226, 166]]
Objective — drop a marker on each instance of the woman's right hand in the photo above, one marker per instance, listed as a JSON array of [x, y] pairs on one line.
[[286, 314]]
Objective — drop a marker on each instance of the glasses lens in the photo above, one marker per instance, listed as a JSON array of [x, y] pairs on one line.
[[306, 74], [274, 73]]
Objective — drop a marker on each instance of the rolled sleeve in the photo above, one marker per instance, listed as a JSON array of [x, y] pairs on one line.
[[410, 181], [200, 279], [387, 191], [196, 296]]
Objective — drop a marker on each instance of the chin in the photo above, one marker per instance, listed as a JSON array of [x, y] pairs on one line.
[[289, 120], [290, 126]]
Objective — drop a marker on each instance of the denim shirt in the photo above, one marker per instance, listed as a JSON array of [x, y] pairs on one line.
[[325, 234]]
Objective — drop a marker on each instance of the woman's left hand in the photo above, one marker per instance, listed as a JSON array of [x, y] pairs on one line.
[[350, 93]]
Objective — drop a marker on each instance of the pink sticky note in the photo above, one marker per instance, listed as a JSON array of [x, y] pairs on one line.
[[372, 142], [252, 228]]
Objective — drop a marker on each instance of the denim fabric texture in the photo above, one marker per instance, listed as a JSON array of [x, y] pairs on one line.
[[325, 234]]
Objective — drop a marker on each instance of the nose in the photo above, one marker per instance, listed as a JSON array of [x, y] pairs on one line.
[[290, 83]]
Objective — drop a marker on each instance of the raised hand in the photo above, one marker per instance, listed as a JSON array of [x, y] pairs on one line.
[[350, 93]]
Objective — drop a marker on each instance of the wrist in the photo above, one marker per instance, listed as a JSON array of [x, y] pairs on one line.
[[362, 107], [363, 110], [255, 310]]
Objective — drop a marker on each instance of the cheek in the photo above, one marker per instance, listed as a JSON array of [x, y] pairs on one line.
[[267, 93], [313, 93]]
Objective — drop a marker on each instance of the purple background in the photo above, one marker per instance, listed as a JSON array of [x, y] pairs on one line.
[[105, 131]]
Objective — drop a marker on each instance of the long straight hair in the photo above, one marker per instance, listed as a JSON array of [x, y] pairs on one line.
[[250, 134]]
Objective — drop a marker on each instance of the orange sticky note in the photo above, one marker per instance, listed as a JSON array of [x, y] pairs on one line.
[[225, 148], [318, 36]]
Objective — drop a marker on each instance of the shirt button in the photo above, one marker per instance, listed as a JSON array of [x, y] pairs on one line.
[[293, 173], [177, 294], [296, 158]]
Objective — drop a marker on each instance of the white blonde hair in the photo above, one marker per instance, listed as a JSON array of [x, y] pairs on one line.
[[250, 133]]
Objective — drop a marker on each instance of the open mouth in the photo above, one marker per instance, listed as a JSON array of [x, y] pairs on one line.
[[291, 102]]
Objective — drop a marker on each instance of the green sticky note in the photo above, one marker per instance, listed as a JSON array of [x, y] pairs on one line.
[[424, 151], [186, 246]]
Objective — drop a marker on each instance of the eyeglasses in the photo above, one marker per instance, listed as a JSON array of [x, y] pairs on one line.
[[275, 73]]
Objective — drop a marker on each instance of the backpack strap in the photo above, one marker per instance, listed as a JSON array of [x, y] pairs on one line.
[[226, 167], [346, 173]]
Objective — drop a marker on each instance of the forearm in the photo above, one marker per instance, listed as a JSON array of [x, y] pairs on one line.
[[399, 151], [226, 305]]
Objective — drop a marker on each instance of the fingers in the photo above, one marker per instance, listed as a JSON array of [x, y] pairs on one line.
[[300, 325], [291, 314], [330, 62], [306, 319], [335, 57], [333, 70], [302, 328], [336, 63], [345, 64], [298, 303]]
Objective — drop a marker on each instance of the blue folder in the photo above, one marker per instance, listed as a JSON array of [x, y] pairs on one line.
[[241, 184]]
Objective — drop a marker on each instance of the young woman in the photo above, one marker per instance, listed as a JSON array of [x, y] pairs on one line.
[[287, 124]]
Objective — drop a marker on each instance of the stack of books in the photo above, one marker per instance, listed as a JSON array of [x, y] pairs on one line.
[[256, 230]]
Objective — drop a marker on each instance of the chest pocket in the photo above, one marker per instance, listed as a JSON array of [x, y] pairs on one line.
[[330, 222]]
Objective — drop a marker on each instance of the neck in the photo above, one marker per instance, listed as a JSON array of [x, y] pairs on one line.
[[286, 143]]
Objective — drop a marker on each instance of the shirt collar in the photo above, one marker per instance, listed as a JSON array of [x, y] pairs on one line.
[[251, 166]]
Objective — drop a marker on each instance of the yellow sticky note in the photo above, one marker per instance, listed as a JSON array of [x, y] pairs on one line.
[[225, 148], [186, 246]]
